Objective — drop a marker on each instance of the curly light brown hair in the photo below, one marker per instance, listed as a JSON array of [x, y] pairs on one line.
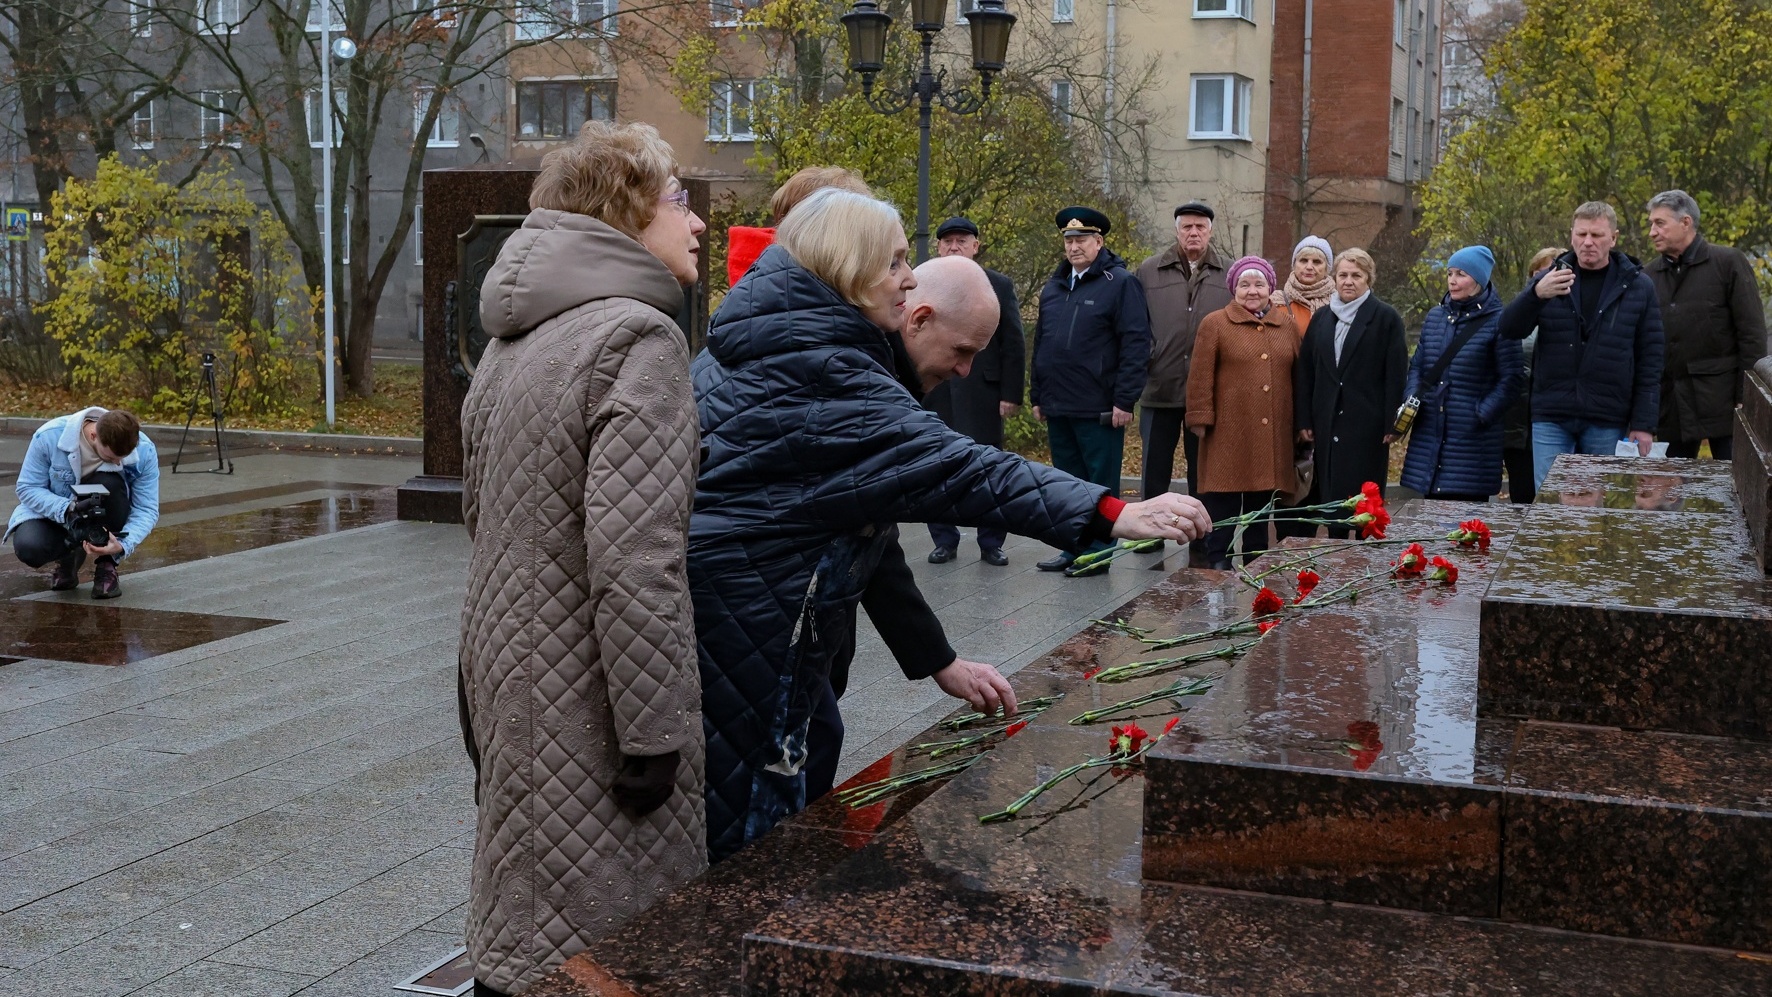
[[614, 173], [801, 185]]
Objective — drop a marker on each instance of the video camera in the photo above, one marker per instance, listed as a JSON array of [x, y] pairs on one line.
[[87, 520]]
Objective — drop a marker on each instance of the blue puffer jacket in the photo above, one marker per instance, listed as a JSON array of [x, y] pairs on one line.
[[1092, 346], [1456, 445], [812, 452], [1609, 375]]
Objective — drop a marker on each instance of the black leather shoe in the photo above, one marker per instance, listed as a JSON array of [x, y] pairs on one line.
[[104, 579], [941, 555], [1085, 570], [1058, 563], [993, 555], [66, 573]]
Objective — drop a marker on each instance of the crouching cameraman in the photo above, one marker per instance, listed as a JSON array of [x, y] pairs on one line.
[[61, 517]]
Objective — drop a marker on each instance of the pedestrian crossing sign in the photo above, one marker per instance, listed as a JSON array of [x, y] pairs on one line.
[[18, 224]]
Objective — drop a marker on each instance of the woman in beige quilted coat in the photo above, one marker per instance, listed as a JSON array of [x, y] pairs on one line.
[[578, 664]]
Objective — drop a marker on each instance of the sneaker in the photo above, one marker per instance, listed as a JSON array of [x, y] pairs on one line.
[[941, 555], [66, 574], [104, 579]]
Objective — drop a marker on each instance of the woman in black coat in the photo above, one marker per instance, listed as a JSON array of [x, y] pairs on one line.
[[1348, 382]]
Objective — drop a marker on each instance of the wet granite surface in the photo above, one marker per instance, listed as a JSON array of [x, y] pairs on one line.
[[72, 627], [1631, 619], [1348, 738], [1656, 486]]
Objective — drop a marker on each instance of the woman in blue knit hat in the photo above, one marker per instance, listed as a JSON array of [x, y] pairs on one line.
[[1455, 452]]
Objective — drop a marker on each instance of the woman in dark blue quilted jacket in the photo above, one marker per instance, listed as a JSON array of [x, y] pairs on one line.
[[812, 453], [1455, 451]]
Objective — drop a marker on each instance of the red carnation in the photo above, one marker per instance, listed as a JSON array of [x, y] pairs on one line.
[[1091, 673], [1472, 533], [1268, 602], [1015, 728], [1445, 572], [1307, 581], [1170, 725], [1372, 518], [1125, 741], [1365, 744], [1372, 493], [1265, 625], [1410, 563]]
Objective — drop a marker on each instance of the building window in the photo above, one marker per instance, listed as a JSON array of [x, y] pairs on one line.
[[554, 109], [316, 8], [1064, 11], [220, 17], [218, 116], [1396, 127], [547, 18], [728, 13], [1452, 56], [1401, 25], [1244, 9], [1061, 101], [446, 130], [1452, 95], [729, 113], [418, 234], [1220, 107], [141, 124], [141, 18], [317, 127], [963, 8]]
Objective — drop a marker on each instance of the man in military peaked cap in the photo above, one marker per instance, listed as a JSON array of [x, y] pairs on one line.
[[1091, 347]]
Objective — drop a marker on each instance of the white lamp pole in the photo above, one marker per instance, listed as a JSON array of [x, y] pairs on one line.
[[346, 49]]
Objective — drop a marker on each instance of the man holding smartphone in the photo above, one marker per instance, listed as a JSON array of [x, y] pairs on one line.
[[1596, 376], [89, 486]]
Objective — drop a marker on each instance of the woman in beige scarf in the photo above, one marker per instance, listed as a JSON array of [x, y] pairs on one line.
[[1308, 286]]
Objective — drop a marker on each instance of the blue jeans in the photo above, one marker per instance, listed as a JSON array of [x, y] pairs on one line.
[[1552, 438]]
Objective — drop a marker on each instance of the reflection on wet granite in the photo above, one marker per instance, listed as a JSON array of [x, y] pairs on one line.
[[1643, 492], [109, 634], [112, 634]]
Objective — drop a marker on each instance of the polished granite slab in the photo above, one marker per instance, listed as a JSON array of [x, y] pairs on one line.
[[1640, 485], [72, 627], [1752, 465], [1651, 621]]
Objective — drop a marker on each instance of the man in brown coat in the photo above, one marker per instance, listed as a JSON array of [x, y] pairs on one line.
[[578, 657], [1182, 285], [1714, 326]]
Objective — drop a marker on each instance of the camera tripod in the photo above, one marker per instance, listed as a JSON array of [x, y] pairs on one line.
[[222, 464]]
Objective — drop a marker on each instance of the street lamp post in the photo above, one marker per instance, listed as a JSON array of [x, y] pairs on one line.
[[343, 49], [868, 25]]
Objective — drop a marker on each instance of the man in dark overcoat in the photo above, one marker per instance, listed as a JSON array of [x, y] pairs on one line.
[[978, 403]]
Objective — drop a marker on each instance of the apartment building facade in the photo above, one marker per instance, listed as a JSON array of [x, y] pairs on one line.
[[1355, 119]]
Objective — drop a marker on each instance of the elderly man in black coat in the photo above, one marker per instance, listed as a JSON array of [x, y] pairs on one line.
[[978, 403]]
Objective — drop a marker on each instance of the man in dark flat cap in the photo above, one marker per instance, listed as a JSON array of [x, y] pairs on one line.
[[1091, 349], [977, 403], [1182, 285]]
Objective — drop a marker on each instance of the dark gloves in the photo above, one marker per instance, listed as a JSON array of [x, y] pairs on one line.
[[85, 504], [645, 782]]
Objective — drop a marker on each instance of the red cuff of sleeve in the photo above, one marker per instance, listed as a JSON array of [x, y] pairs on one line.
[[1110, 508]]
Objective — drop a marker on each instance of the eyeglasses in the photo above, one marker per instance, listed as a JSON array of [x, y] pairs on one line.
[[680, 199]]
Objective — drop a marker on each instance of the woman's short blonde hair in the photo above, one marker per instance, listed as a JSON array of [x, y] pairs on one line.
[[1359, 258], [845, 239], [801, 185], [1543, 258], [614, 173]]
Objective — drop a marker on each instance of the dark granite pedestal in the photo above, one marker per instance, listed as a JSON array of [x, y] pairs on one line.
[[1328, 780], [1752, 465]]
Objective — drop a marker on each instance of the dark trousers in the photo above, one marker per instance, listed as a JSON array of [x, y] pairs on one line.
[[824, 745], [1161, 430], [1089, 450], [949, 537], [1518, 462], [39, 541], [1720, 449], [1223, 505]]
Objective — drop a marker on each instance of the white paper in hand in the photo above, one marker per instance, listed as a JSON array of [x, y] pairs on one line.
[[1628, 448]]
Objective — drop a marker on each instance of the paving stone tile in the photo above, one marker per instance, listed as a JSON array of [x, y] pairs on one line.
[[71, 739], [60, 816], [375, 974], [218, 979], [336, 932]]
